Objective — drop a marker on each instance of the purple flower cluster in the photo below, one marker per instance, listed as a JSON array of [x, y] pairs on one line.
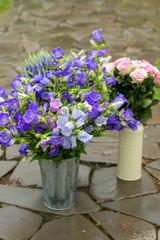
[[61, 102]]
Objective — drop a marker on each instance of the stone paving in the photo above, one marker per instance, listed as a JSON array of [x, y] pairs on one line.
[[106, 207]]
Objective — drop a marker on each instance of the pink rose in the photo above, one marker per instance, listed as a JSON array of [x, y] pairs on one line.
[[136, 64], [157, 78], [150, 69], [123, 66], [138, 75], [109, 66], [121, 60]]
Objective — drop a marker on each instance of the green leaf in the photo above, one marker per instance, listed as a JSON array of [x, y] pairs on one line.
[[83, 151], [142, 89], [156, 93], [147, 114], [146, 102], [155, 102]]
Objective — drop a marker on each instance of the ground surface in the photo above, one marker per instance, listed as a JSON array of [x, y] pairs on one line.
[[106, 207]]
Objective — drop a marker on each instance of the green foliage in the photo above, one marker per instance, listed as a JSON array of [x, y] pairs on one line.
[[5, 5], [140, 97], [158, 63]]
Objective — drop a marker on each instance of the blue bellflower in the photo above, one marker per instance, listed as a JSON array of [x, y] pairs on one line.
[[23, 149], [3, 93], [84, 137], [4, 119], [66, 142], [92, 97], [54, 151], [111, 81], [57, 53], [56, 140], [97, 36], [30, 117], [102, 52], [67, 129], [14, 104]]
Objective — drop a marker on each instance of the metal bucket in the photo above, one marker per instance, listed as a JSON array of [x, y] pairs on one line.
[[59, 183], [130, 154]]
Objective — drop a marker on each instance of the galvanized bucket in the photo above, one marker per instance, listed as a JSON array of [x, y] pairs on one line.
[[59, 183], [130, 154]]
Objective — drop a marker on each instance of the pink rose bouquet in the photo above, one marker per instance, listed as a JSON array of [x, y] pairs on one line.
[[138, 81]]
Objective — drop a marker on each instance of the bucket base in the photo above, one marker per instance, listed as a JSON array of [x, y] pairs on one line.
[[62, 209], [129, 179]]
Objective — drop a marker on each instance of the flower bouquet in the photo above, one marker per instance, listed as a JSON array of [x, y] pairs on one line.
[[139, 82], [58, 104]]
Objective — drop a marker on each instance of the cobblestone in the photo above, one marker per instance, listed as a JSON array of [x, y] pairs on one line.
[[19, 224]]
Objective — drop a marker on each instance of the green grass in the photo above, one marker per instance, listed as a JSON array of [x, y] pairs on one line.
[[5, 5]]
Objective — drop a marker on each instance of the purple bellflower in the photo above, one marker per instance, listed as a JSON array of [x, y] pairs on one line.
[[99, 121], [14, 104], [30, 117], [56, 140], [97, 36], [81, 78], [78, 63], [134, 124], [66, 142], [4, 119], [84, 137], [54, 151], [33, 106], [61, 121], [119, 101], [92, 65], [127, 115], [67, 129], [102, 52], [28, 89], [111, 81], [92, 97], [23, 149], [3, 93], [55, 104], [73, 142], [65, 112], [57, 53]]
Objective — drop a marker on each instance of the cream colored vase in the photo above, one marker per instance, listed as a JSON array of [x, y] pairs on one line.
[[130, 146]]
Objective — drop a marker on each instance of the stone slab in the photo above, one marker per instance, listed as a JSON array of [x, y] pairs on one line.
[[33, 199], [106, 186], [155, 173], [122, 227], [7, 71], [6, 166], [155, 116], [13, 152], [28, 45], [111, 136], [143, 207], [71, 228], [28, 174], [98, 152], [152, 134], [155, 165], [83, 176], [151, 150], [16, 223]]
